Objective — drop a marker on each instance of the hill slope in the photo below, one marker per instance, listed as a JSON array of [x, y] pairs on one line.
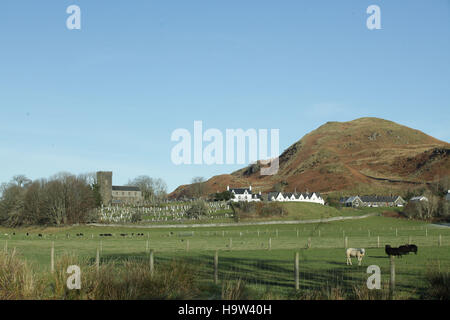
[[366, 155]]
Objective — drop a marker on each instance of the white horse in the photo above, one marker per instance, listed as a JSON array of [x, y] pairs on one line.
[[352, 253]]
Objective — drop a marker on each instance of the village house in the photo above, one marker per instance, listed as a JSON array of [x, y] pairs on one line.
[[373, 201], [295, 197], [244, 194], [418, 199]]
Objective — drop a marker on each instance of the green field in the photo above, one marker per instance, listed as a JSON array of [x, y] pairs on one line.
[[250, 257], [260, 255]]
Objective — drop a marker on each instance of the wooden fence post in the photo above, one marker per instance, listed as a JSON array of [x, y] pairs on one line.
[[52, 258], [309, 242], [378, 241], [426, 232], [297, 272], [396, 232], [97, 260], [146, 246], [392, 279], [187, 245], [440, 241], [216, 267], [270, 243], [6, 246], [345, 242], [151, 260]]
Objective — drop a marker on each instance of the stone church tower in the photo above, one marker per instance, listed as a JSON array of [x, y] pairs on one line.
[[104, 180]]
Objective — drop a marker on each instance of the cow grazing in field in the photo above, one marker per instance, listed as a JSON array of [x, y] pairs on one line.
[[407, 248], [412, 248], [390, 251], [355, 253], [40, 235]]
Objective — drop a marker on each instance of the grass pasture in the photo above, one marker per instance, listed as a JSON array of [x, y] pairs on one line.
[[268, 272]]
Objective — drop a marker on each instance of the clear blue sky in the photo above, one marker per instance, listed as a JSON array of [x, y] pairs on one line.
[[107, 97]]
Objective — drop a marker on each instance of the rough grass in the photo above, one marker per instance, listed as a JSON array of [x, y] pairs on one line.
[[129, 280]]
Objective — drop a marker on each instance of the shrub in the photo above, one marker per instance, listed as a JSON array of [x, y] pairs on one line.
[[197, 210], [438, 285]]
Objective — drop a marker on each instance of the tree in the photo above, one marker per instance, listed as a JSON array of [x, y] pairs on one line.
[[153, 190], [223, 196], [197, 210], [197, 187], [21, 180]]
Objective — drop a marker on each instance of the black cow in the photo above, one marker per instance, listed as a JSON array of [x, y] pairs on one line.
[[407, 248], [393, 251]]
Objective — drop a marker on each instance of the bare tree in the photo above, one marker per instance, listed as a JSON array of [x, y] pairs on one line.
[[21, 180], [153, 190], [197, 187]]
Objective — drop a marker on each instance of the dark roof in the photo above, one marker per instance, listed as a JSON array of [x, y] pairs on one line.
[[378, 198], [125, 188], [272, 194], [241, 190]]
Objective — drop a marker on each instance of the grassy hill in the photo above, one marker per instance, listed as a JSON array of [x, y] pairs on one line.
[[366, 155]]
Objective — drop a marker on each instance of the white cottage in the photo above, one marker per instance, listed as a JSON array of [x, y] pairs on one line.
[[244, 194], [295, 197]]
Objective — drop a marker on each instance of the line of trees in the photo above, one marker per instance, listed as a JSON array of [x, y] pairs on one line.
[[62, 199]]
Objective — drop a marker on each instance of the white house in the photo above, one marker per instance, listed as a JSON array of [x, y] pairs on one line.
[[295, 197], [244, 194], [418, 199]]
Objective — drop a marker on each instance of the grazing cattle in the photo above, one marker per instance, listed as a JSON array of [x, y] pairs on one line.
[[123, 234], [407, 248], [413, 248], [355, 253], [394, 251], [28, 234], [40, 235]]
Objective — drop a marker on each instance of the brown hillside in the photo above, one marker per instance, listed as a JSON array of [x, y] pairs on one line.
[[365, 155]]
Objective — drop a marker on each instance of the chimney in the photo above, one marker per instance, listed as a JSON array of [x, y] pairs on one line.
[[250, 188], [228, 188]]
